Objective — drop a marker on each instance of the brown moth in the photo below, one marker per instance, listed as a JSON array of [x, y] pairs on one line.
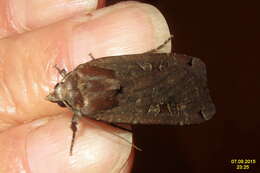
[[148, 88]]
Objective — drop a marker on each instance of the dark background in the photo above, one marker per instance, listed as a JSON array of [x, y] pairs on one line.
[[224, 35]]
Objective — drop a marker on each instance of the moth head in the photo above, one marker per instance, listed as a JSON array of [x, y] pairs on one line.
[[57, 95]]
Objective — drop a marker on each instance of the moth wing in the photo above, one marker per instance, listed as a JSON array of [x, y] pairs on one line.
[[158, 89]]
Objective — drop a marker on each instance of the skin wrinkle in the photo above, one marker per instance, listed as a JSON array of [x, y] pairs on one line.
[[8, 90], [15, 25], [14, 150], [36, 84], [54, 49], [9, 95], [23, 89], [25, 158], [6, 105], [4, 25], [49, 80], [58, 50], [6, 122]]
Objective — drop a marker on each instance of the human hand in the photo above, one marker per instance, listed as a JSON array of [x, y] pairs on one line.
[[35, 134]]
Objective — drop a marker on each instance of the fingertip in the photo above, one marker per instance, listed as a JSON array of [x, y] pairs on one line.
[[43, 146], [94, 145], [21, 16]]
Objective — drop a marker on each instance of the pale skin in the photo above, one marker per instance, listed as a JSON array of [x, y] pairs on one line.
[[35, 134]]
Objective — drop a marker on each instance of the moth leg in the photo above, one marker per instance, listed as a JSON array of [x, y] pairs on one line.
[[74, 128], [62, 72], [179, 110], [91, 56], [161, 46], [169, 108]]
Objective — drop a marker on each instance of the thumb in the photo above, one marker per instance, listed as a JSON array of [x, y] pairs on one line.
[[26, 67], [43, 146]]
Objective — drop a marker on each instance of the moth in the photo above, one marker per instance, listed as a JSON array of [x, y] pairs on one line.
[[148, 88]]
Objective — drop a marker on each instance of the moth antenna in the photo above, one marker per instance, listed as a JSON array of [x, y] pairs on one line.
[[160, 46], [131, 143]]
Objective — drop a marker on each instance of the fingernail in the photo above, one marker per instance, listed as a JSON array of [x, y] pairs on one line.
[[115, 30], [48, 148], [86, 5], [48, 11], [46, 145]]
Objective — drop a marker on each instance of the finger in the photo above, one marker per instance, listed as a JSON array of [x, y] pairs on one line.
[[23, 15], [28, 72], [43, 146]]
